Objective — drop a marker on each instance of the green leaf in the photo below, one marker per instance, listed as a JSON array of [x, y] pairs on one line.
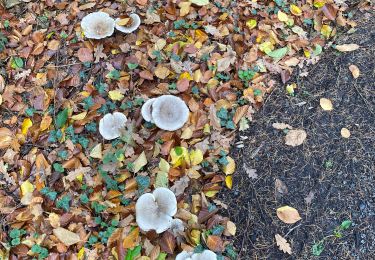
[[279, 53], [61, 118], [132, 66], [16, 63], [161, 180], [143, 183], [133, 253], [58, 167], [162, 256], [345, 224], [114, 74], [318, 248]]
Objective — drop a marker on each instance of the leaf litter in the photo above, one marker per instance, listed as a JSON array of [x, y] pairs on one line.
[[219, 57]]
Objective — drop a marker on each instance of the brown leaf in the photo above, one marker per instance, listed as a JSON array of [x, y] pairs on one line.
[[142, 2], [131, 240], [281, 126], [309, 197], [295, 137], [215, 243], [167, 242], [283, 244], [66, 236], [85, 55], [240, 112], [161, 72], [280, 188], [145, 74], [179, 186], [329, 11], [288, 215], [183, 85], [6, 137]]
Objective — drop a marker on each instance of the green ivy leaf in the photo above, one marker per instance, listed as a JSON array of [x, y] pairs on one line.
[[61, 118], [346, 224], [318, 248]]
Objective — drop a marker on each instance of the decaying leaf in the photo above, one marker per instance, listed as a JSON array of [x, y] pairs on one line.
[[288, 214], [283, 244], [281, 126], [347, 47], [168, 242], [280, 188], [295, 137]]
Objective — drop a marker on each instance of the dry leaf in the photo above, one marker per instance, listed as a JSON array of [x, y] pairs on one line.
[[345, 132], [326, 104], [180, 185], [281, 126], [230, 229], [354, 70], [252, 173], [280, 188], [288, 214], [67, 237], [167, 242], [215, 243], [283, 244], [309, 197], [295, 137], [131, 240], [85, 55], [161, 72], [347, 47]]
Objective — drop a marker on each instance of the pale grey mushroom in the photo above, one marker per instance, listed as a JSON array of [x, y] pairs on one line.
[[169, 112], [136, 22], [146, 110], [97, 25], [205, 255], [154, 211], [110, 125]]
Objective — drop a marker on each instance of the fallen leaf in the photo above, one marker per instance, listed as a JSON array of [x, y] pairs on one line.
[[309, 197], [6, 137], [180, 185], [116, 95], [295, 137], [345, 132], [326, 104], [200, 2], [214, 243], [67, 237], [85, 55], [230, 228], [230, 167], [96, 152], [347, 47], [281, 126], [280, 188], [139, 162], [283, 244], [161, 72], [252, 173], [288, 215], [131, 240], [229, 181], [26, 124], [167, 242], [354, 70], [184, 8]]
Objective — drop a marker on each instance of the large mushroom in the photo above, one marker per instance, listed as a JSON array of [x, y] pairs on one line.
[[154, 211], [98, 25], [205, 255], [136, 22], [110, 125], [168, 112]]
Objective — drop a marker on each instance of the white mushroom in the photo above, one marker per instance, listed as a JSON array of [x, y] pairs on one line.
[[177, 227], [146, 110], [154, 211], [98, 25], [205, 255], [136, 22], [111, 124], [169, 112]]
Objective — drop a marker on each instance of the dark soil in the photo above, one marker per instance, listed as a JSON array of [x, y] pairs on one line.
[[339, 172]]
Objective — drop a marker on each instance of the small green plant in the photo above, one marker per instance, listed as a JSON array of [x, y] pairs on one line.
[[3, 41], [41, 251], [15, 235], [246, 75], [318, 247]]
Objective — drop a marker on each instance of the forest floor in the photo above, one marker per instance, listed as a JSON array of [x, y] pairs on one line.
[[329, 179]]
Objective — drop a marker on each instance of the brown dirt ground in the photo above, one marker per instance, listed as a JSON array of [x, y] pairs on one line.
[[344, 190]]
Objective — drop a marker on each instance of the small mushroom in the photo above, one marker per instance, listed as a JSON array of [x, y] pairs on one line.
[[146, 110], [111, 124], [136, 22], [169, 112], [154, 211], [205, 255], [98, 25]]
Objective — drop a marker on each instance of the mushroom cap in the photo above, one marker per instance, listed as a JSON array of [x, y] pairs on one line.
[[111, 124], [154, 211], [136, 23], [169, 112], [177, 227], [184, 255], [146, 110], [205, 255], [98, 25]]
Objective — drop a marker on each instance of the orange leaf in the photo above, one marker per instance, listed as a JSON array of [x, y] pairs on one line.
[[215, 243], [131, 240]]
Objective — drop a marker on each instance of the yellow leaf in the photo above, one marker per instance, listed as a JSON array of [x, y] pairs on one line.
[[288, 215], [319, 3], [290, 88], [266, 47], [229, 181], [295, 10], [26, 187], [252, 23], [326, 30], [184, 8], [187, 133], [131, 240], [283, 17], [211, 193], [26, 124], [307, 53], [345, 132], [230, 167], [197, 75], [115, 95], [161, 72], [140, 162], [178, 155], [195, 236], [96, 152], [80, 116], [200, 2], [123, 22], [207, 129], [81, 253], [164, 165], [326, 104], [46, 122], [186, 75], [196, 157]]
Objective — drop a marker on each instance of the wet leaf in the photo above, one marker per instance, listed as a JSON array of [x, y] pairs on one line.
[[288, 215]]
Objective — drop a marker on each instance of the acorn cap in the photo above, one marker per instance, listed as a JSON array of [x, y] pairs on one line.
[[98, 25]]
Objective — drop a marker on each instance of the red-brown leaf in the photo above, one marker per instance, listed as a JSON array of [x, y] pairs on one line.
[[167, 242]]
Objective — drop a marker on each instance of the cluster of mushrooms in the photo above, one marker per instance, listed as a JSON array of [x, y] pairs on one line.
[[99, 25], [154, 211]]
